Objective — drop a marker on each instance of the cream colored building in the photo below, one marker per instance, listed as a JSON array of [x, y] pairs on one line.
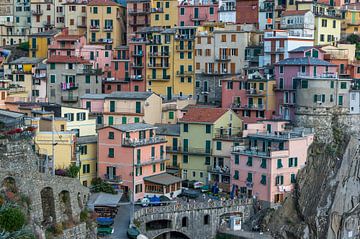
[[78, 121], [46, 14], [173, 110], [75, 17]]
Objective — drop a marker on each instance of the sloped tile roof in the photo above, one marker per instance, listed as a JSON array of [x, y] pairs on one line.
[[203, 115]]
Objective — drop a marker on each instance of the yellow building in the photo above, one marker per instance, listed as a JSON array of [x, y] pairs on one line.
[[172, 110], [170, 67], [79, 121], [164, 13], [327, 30], [39, 42], [87, 155], [106, 23], [75, 17], [351, 22]]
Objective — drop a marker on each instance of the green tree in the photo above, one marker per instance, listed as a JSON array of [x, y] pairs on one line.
[[72, 171], [353, 39]]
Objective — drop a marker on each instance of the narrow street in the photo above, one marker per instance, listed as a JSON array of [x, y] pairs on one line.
[[121, 224]]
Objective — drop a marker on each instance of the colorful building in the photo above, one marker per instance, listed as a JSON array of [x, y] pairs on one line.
[[87, 155], [227, 11], [196, 13], [267, 166], [199, 127], [106, 23], [164, 13], [65, 44], [39, 42], [173, 110], [351, 22], [75, 16], [71, 77], [133, 157], [46, 15]]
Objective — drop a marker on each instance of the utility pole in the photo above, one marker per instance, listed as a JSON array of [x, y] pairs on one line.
[[53, 145]]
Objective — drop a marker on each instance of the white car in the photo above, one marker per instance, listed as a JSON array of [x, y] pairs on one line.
[[198, 185]]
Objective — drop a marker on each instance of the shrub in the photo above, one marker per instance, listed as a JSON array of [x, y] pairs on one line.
[[101, 186], [12, 219], [72, 171], [84, 215], [353, 39]]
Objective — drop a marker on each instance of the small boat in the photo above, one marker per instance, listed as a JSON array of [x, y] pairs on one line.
[[132, 232], [105, 221], [103, 231]]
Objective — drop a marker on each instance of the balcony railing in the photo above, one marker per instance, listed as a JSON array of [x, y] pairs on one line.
[[189, 150], [137, 53], [184, 48], [167, 107], [112, 178], [157, 10], [228, 136], [16, 90], [138, 22], [108, 28], [254, 151], [69, 98], [219, 170], [252, 106], [137, 65], [159, 54], [184, 73], [223, 58], [158, 65], [198, 18], [255, 92], [69, 86], [326, 75], [159, 77], [152, 160], [136, 77], [138, 11], [39, 75], [139, 142], [94, 28], [89, 71], [37, 12], [48, 24]]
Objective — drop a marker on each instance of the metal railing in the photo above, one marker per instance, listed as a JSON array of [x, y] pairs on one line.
[[112, 178], [140, 142], [152, 160]]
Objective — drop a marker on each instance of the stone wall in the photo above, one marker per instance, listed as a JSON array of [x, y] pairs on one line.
[[54, 199], [214, 89]]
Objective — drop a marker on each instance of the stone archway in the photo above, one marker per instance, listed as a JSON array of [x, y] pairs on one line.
[[172, 235], [65, 205], [48, 205], [9, 185], [158, 224]]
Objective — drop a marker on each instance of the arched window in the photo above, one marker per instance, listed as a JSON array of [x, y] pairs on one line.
[[206, 219], [184, 222]]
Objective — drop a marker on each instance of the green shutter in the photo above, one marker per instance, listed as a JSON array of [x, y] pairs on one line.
[[186, 145], [207, 146], [185, 158], [263, 179], [263, 163], [171, 115], [249, 177], [208, 129], [293, 178], [123, 120], [138, 156], [218, 145], [112, 106], [295, 162], [279, 163], [111, 120], [52, 78], [87, 79], [237, 159], [236, 174], [111, 152], [136, 120], [138, 107], [249, 162]]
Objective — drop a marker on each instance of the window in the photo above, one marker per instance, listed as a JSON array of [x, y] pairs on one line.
[[52, 66], [171, 115], [324, 23], [110, 120], [281, 69], [293, 162], [112, 106], [329, 38], [229, 85], [322, 37], [87, 79], [95, 10], [138, 188], [341, 100], [167, 17], [189, 55], [343, 85], [108, 10], [208, 129], [181, 55], [80, 116], [157, 17], [237, 159], [233, 38], [263, 179], [223, 38], [281, 83], [182, 11], [332, 83], [162, 166], [194, 174], [236, 174], [185, 158], [111, 135], [167, 4], [249, 178], [186, 128], [334, 23], [263, 163], [218, 145], [154, 168], [52, 79], [206, 219], [207, 160], [279, 180], [293, 178], [279, 163], [304, 84], [69, 116], [184, 222], [249, 161], [111, 153], [86, 168]]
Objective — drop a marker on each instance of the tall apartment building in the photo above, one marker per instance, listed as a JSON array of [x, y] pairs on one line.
[[106, 23], [69, 78], [170, 61], [219, 54], [46, 14], [164, 13], [75, 16], [198, 12]]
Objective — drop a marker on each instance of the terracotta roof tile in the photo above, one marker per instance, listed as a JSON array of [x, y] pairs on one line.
[[64, 37], [67, 59], [203, 115], [294, 12], [102, 3]]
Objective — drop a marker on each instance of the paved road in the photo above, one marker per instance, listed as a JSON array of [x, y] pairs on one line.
[[121, 223]]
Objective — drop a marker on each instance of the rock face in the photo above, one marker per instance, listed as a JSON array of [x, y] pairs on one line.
[[326, 201]]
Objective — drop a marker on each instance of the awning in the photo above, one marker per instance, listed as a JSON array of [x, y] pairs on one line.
[[163, 179]]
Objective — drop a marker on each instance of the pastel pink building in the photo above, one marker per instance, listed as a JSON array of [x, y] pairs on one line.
[[303, 63], [65, 44], [132, 157], [195, 14], [99, 57], [267, 165]]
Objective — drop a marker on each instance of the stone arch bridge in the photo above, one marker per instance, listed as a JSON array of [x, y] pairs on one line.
[[192, 220], [53, 199]]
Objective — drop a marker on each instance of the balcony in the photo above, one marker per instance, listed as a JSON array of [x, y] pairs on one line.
[[255, 92], [247, 107], [16, 90], [136, 77], [159, 54], [137, 65], [215, 73], [185, 73], [141, 142], [94, 28], [198, 18], [37, 12], [39, 75], [81, 24], [219, 170], [228, 133], [137, 53], [89, 71], [69, 99], [184, 37], [138, 11], [183, 48], [253, 151], [108, 28], [102, 41], [189, 150], [138, 22], [139, 40], [326, 75], [152, 160], [227, 9], [69, 86], [159, 77], [112, 178], [157, 65], [48, 24], [157, 10], [223, 58], [20, 71], [167, 107]]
